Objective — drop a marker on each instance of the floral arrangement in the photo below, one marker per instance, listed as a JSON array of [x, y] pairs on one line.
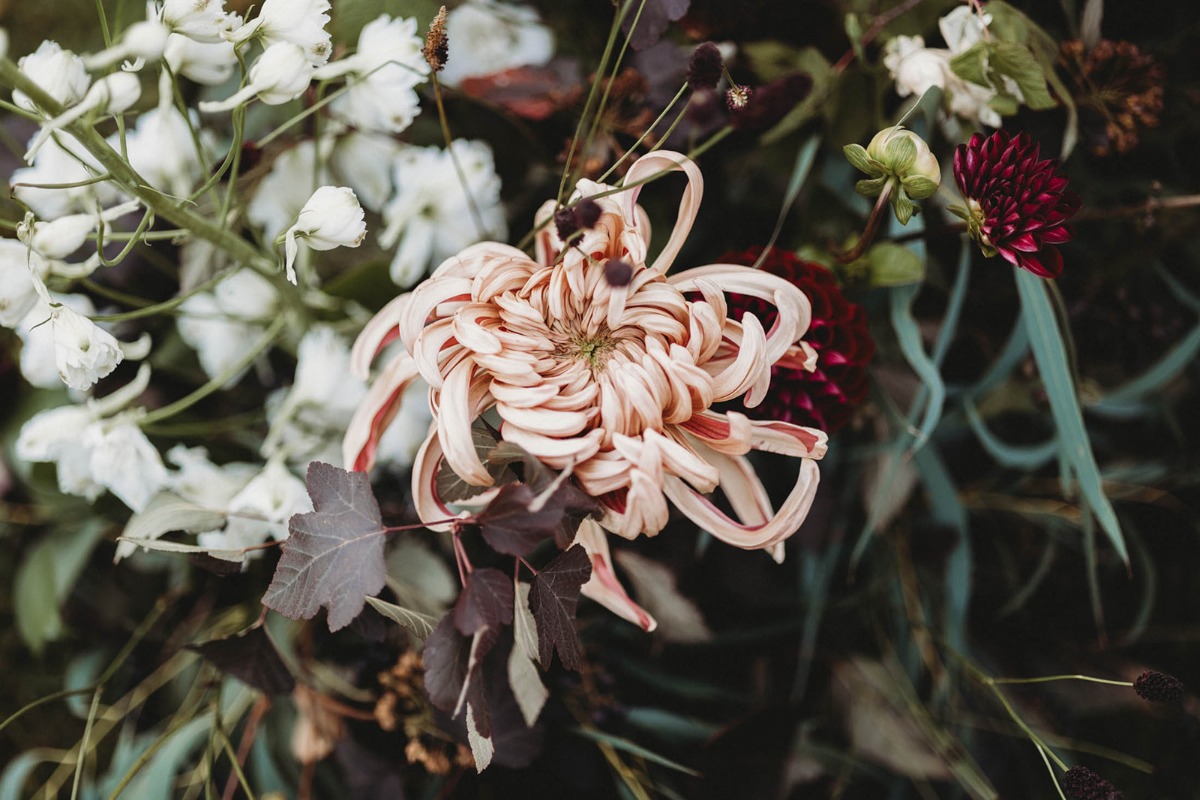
[[400, 394]]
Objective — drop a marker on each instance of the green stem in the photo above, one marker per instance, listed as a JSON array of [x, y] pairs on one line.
[[1049, 678], [480, 228], [218, 382], [653, 125]]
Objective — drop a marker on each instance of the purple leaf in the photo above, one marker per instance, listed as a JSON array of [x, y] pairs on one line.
[[553, 595], [250, 657], [656, 17], [334, 557], [486, 600], [510, 527], [445, 658]]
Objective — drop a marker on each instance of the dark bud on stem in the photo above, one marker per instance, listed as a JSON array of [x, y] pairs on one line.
[[1158, 687], [1081, 783], [565, 224], [437, 45], [571, 219], [705, 68], [617, 272], [587, 213]]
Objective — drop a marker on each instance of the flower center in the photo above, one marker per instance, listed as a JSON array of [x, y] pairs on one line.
[[594, 350]]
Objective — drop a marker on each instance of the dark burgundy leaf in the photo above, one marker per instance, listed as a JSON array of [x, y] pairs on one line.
[[250, 657], [445, 657], [486, 600], [368, 775], [552, 598], [656, 17], [334, 557], [567, 504], [509, 525], [453, 489], [217, 566]]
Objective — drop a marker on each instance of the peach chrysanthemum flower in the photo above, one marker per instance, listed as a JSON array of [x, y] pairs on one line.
[[614, 382]]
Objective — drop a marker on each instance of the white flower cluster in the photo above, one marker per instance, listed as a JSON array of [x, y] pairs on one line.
[[916, 68], [231, 307]]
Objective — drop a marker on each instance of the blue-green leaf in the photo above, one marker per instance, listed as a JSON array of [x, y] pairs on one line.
[[1026, 457], [1128, 400], [1051, 359], [908, 334]]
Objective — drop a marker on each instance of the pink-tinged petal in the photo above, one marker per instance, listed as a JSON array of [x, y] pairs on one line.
[[557, 453], [545, 421], [750, 367], [471, 334], [454, 418], [603, 586], [429, 348], [726, 433], [426, 298], [382, 330], [375, 413], [788, 439], [429, 507], [733, 278], [523, 396], [749, 536], [604, 472], [645, 168]]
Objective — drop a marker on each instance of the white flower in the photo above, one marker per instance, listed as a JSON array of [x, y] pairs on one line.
[[487, 37], [199, 20], [963, 28], [915, 67], [280, 196], [209, 63], [355, 161], [431, 216], [60, 73], [331, 218], [38, 364], [62, 160], [112, 94], [387, 67], [59, 238], [124, 461], [143, 41], [218, 324], [298, 22], [163, 151], [265, 505], [82, 351], [198, 480], [18, 295], [280, 74]]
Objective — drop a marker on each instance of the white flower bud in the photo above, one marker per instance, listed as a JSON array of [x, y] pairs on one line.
[[331, 218], [112, 94], [883, 148], [83, 352], [18, 295], [203, 62], [60, 73], [144, 41], [280, 74], [199, 20], [298, 22]]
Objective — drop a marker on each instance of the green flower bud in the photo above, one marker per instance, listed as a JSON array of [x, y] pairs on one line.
[[905, 155]]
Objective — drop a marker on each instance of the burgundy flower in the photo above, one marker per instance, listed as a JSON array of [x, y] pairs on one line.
[[1017, 204], [826, 397], [1081, 783]]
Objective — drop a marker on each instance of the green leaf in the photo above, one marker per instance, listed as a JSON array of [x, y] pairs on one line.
[[1004, 104], [45, 579], [892, 264], [903, 207], [1017, 62], [1024, 457], [908, 333], [635, 749], [1127, 401], [918, 187], [971, 65], [420, 625], [166, 512], [1051, 359]]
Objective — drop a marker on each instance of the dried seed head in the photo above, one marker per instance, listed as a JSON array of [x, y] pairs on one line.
[[1158, 687], [706, 67], [737, 97], [618, 272], [437, 45], [1081, 783]]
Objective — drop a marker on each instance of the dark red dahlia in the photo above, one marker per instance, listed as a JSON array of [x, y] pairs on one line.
[[827, 397], [1017, 204]]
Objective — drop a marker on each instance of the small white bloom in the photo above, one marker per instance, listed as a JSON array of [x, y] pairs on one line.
[[280, 74], [200, 20], [355, 161], [280, 196], [143, 41], [963, 28], [38, 363], [265, 505], [18, 295], [209, 63], [56, 435], [199, 480], [487, 37], [218, 324], [915, 67], [62, 160], [124, 461], [60, 73], [298, 22], [331, 218], [389, 64], [59, 238], [431, 216], [163, 151], [82, 351], [112, 94]]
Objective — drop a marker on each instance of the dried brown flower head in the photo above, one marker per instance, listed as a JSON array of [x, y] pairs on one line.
[[1119, 90], [437, 44]]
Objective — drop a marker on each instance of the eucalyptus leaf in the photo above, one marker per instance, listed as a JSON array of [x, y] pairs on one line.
[[1015, 61]]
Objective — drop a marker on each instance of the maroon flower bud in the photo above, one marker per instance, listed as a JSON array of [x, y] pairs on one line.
[[706, 67], [1017, 204], [587, 213], [1158, 687], [825, 398], [1081, 783], [565, 223], [617, 272]]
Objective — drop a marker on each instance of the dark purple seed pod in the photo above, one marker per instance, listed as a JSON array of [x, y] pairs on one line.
[[587, 213], [617, 272], [706, 67], [1158, 687], [565, 223], [1081, 783]]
